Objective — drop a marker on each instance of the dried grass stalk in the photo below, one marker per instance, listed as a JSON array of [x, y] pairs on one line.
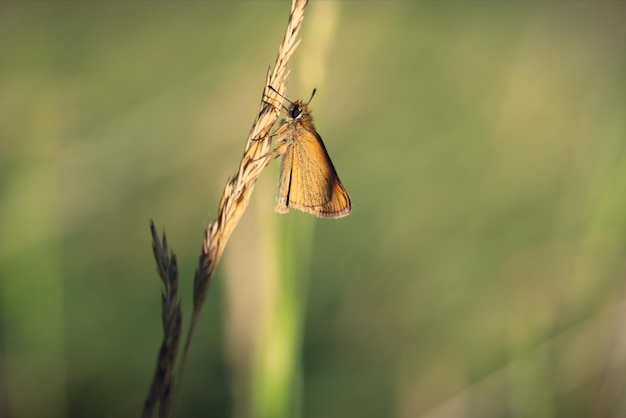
[[255, 158], [172, 320], [234, 201]]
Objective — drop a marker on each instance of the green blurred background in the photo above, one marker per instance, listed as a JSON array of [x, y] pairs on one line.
[[481, 273]]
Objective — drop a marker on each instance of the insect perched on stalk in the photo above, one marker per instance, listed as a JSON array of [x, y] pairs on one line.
[[308, 180]]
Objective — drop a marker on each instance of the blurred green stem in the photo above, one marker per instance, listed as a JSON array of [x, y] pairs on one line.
[[277, 381], [277, 375]]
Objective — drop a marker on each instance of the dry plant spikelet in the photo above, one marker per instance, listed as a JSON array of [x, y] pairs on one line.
[[234, 201], [167, 268], [255, 158]]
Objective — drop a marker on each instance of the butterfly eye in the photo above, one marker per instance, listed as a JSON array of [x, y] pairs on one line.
[[295, 111]]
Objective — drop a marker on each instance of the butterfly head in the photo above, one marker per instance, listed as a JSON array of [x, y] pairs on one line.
[[299, 111], [296, 109]]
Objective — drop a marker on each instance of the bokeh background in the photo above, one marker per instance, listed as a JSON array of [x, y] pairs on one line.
[[481, 273]]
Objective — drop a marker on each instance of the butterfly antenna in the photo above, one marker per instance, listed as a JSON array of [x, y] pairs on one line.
[[312, 94], [276, 91]]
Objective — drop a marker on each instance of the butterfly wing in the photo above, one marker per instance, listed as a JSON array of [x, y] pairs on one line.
[[313, 185], [284, 179]]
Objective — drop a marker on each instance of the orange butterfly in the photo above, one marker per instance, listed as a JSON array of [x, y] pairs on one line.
[[308, 180]]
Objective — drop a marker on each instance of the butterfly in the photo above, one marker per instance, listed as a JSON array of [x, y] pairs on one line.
[[308, 180]]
